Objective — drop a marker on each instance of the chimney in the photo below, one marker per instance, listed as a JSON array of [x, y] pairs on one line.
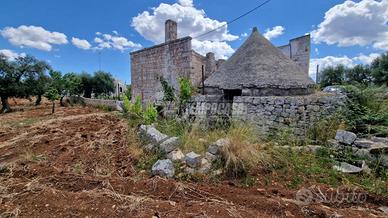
[[171, 30]]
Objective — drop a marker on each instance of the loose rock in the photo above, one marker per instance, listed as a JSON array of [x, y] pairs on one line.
[[363, 143], [347, 168], [169, 145], [176, 155], [151, 134], [164, 168], [210, 157], [345, 137], [193, 160]]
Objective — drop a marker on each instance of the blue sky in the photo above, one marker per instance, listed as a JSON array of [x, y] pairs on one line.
[[70, 34]]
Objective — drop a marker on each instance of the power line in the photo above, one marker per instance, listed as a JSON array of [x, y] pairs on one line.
[[232, 21]]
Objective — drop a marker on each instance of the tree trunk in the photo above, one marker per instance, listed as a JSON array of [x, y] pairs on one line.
[[38, 100], [5, 105], [61, 101], [53, 110]]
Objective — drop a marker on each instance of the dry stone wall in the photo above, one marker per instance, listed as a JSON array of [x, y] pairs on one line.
[[269, 113]]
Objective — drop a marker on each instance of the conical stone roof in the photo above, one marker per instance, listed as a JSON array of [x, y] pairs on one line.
[[257, 64]]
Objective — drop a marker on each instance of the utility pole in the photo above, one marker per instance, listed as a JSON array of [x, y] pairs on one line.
[[317, 75], [203, 80]]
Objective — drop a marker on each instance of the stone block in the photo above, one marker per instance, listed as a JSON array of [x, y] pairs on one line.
[[151, 134], [345, 137], [193, 160], [169, 145], [176, 155], [163, 168]]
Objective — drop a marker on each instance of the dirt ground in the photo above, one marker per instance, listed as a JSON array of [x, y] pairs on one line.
[[76, 163]]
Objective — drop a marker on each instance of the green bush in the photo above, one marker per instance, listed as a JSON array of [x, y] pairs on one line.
[[127, 105], [150, 114], [137, 108], [185, 90], [367, 110], [168, 90]]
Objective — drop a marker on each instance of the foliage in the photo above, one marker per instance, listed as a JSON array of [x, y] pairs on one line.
[[185, 90], [359, 74], [128, 92], [375, 74], [87, 84], [103, 83], [16, 75], [332, 76], [244, 152], [379, 69], [127, 104], [150, 114], [137, 107], [52, 95], [367, 111], [72, 84], [325, 129], [168, 90]]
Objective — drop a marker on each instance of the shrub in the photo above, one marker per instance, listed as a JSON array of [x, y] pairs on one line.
[[244, 152], [185, 90], [367, 111], [150, 114], [168, 90], [127, 105], [137, 108], [325, 129]]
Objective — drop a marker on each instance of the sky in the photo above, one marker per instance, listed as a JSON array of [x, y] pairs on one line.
[[88, 35]]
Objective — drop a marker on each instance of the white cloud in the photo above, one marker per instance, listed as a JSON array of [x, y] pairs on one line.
[[34, 37], [81, 43], [355, 23], [191, 22], [274, 32], [186, 3], [115, 32], [11, 55], [244, 35], [115, 42], [222, 50], [344, 60]]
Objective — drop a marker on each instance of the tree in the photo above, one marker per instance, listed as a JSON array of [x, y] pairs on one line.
[[13, 77], [37, 85], [52, 95], [332, 76], [86, 84], [58, 83], [379, 68], [72, 84], [359, 74], [103, 83]]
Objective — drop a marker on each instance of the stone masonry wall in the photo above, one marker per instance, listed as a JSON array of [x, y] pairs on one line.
[[277, 112], [113, 104], [298, 50], [170, 60], [269, 113]]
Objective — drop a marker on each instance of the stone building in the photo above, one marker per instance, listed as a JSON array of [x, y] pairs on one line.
[[175, 58], [262, 85], [120, 88], [171, 60], [258, 68]]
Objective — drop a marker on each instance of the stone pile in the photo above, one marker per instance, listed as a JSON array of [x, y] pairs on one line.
[[372, 150], [192, 163]]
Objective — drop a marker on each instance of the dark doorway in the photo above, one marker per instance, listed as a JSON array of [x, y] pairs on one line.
[[230, 93]]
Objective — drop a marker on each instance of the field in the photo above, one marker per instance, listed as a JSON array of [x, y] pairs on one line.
[[77, 163]]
